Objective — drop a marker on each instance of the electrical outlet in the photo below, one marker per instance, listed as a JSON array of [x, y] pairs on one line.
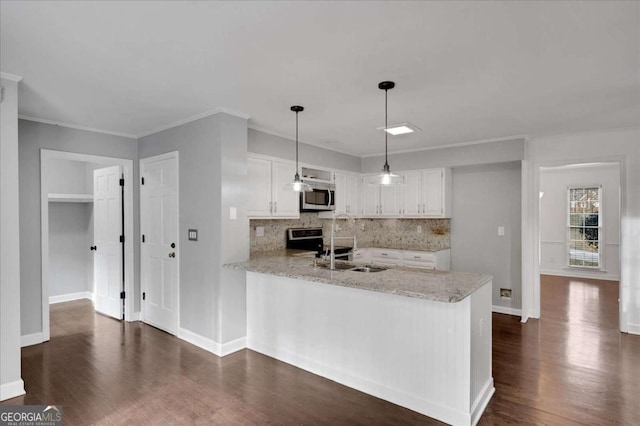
[[419, 229], [501, 231], [505, 293], [259, 231]]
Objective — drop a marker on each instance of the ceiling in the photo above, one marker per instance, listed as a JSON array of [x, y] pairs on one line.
[[464, 71]]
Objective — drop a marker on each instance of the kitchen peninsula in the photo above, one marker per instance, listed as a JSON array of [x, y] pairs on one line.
[[418, 338]]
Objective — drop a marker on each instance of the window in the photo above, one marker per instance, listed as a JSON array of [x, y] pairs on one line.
[[585, 227]]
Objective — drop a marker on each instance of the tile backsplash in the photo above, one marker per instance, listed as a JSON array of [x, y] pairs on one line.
[[387, 233]]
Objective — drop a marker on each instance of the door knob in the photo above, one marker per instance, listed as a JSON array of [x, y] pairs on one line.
[[92, 248], [172, 254]]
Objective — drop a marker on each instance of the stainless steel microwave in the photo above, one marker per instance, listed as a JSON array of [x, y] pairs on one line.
[[321, 198]]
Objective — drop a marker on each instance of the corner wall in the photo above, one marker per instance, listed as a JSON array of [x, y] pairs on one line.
[[213, 169], [34, 137], [11, 384]]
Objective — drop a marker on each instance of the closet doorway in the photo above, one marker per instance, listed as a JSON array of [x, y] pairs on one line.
[[87, 232]]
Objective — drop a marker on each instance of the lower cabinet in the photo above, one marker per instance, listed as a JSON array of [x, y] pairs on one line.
[[440, 260]]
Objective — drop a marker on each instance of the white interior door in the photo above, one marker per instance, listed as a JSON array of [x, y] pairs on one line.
[[160, 251], [107, 230]]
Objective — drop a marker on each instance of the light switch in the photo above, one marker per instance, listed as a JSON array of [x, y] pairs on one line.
[[501, 230], [259, 231], [233, 213]]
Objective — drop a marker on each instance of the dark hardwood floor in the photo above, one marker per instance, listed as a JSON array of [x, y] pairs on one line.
[[570, 367]]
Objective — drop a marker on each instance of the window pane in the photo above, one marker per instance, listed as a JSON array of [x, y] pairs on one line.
[[591, 219], [576, 219]]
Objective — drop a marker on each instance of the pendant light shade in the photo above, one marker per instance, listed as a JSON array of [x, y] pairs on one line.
[[297, 185], [386, 177]]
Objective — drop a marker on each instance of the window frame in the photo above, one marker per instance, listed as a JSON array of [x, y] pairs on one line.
[[601, 245]]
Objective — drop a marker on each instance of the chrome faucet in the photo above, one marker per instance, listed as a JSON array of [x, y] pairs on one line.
[[332, 254]]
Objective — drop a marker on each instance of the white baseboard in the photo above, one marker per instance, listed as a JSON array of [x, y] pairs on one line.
[[31, 339], [506, 310], [633, 328], [577, 273], [200, 341], [71, 296], [233, 346], [11, 390], [211, 345], [482, 401], [136, 316]]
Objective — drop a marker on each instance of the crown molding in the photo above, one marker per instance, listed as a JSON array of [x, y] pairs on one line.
[[194, 118], [453, 145], [76, 127], [10, 77]]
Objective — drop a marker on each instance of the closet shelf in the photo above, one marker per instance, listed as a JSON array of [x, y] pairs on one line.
[[71, 198]]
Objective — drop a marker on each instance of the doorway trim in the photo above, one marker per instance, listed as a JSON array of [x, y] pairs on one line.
[[129, 264], [531, 283], [141, 162]]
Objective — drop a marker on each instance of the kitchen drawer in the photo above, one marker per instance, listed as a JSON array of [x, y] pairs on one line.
[[385, 262], [420, 256], [420, 265], [385, 254]]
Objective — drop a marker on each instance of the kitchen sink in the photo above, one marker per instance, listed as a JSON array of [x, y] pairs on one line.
[[368, 269], [352, 267], [339, 266]]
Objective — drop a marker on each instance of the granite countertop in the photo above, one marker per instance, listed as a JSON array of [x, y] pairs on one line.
[[441, 286]]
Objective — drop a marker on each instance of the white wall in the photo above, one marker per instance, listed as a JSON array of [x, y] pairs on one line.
[[554, 182], [70, 236], [68, 177], [280, 147], [11, 384], [484, 198], [616, 145], [467, 155]]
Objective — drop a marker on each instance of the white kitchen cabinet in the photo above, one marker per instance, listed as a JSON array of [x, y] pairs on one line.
[[380, 200], [268, 197], [412, 194], [370, 198], [427, 193], [388, 257], [440, 260], [347, 194]]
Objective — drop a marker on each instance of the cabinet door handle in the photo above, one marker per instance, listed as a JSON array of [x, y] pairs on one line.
[[417, 257], [270, 207], [275, 206]]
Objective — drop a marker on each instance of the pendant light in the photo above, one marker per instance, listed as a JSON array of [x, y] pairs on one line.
[[297, 185], [386, 177]]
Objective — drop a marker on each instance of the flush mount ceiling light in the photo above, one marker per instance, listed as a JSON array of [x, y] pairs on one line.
[[297, 185], [400, 129], [386, 177]]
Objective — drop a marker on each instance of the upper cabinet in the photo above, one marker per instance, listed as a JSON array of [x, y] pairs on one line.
[[268, 197], [347, 194], [425, 193]]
